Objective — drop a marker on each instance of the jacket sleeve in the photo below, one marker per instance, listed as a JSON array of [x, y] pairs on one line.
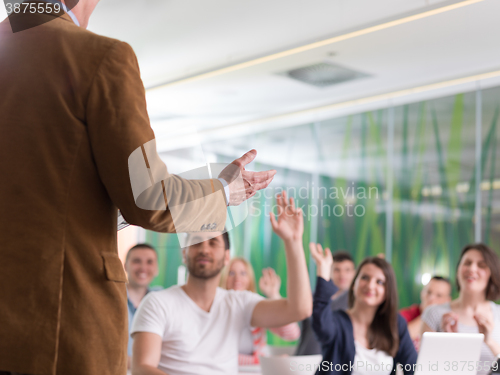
[[324, 324], [406, 354], [124, 150]]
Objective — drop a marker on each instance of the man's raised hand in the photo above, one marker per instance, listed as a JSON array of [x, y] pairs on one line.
[[290, 223]]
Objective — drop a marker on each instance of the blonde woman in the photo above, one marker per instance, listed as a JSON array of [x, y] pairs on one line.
[[239, 275]]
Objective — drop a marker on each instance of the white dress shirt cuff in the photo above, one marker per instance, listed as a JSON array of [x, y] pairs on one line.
[[226, 189]]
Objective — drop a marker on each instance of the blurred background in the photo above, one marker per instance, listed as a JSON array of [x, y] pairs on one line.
[[381, 118]]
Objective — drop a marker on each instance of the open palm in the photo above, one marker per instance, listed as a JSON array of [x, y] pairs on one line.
[[270, 283], [290, 222], [323, 259]]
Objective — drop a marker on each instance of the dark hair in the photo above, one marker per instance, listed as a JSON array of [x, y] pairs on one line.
[[140, 246], [225, 237], [341, 256], [383, 331], [491, 259], [441, 278]]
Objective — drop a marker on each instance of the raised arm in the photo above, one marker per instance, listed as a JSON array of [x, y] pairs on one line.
[[147, 352], [323, 322], [298, 304], [269, 285]]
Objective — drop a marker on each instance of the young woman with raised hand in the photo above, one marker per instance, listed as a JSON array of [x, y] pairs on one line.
[[478, 281], [370, 337], [239, 275]]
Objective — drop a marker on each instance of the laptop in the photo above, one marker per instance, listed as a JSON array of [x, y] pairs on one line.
[[449, 353]]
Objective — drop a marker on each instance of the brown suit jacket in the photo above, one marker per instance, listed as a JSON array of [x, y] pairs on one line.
[[72, 111]]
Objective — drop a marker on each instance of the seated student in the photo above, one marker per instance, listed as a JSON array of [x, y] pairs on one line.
[[478, 281], [437, 291], [239, 275], [343, 270], [369, 334], [195, 329], [141, 265]]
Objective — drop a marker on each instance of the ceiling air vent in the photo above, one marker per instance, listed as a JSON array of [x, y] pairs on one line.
[[324, 74]]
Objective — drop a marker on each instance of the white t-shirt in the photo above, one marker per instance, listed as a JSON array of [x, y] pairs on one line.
[[371, 361], [195, 341]]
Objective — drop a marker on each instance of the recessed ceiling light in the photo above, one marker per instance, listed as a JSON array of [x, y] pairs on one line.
[[323, 74]]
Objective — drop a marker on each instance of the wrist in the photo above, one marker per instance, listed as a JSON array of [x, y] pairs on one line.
[[276, 295], [490, 343], [292, 241], [323, 275]]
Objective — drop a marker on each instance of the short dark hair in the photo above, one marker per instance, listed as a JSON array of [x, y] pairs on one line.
[[491, 259], [225, 237], [441, 278], [140, 246], [341, 256]]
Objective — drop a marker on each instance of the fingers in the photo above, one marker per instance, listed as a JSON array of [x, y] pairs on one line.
[[328, 254], [280, 205], [286, 205], [482, 321], [252, 189], [291, 207], [256, 177], [272, 274], [450, 322], [312, 250], [479, 320], [316, 251], [274, 223], [245, 159], [320, 249]]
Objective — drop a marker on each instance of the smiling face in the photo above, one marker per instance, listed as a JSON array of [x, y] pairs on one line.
[[238, 277], [206, 258], [369, 286], [141, 267], [473, 273], [342, 274], [435, 292]]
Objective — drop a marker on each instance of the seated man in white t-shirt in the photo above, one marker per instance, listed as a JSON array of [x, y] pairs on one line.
[[195, 328]]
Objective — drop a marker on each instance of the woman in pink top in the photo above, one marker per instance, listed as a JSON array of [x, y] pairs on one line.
[[239, 275]]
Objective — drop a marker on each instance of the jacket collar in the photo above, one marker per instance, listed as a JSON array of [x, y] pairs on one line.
[[62, 14]]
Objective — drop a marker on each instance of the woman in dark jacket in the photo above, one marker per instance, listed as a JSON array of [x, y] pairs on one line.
[[370, 337]]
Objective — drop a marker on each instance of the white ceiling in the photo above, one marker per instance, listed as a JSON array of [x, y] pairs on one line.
[[174, 39], [177, 39]]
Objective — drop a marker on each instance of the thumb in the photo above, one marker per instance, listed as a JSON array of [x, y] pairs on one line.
[[246, 158], [274, 224]]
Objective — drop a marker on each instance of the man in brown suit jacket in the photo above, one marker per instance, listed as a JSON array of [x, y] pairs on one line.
[[73, 110]]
